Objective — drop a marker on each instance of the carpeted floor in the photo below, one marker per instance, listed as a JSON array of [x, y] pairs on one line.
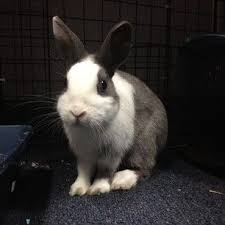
[[177, 193]]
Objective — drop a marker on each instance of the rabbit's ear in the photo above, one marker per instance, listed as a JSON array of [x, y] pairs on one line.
[[71, 46], [116, 46]]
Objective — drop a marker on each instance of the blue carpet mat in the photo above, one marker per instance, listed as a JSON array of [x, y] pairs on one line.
[[180, 194], [177, 194]]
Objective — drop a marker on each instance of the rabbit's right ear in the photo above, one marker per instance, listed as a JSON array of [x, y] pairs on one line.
[[71, 46]]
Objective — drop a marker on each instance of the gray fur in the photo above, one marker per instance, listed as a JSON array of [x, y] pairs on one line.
[[150, 134], [110, 91], [151, 127], [150, 123], [72, 48]]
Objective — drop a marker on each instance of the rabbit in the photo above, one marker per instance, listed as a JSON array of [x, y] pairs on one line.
[[114, 123]]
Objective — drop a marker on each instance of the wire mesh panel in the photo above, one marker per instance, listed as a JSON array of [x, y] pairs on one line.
[[31, 65]]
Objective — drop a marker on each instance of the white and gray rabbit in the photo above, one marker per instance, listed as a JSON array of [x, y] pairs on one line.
[[114, 123]]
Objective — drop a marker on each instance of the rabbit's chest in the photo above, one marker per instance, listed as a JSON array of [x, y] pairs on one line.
[[82, 142]]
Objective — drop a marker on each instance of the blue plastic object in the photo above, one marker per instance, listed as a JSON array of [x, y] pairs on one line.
[[13, 140]]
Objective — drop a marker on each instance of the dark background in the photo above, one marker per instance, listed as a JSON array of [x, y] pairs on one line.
[[31, 65]]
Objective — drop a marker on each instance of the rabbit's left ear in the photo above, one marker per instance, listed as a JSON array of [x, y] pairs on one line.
[[116, 46], [71, 46]]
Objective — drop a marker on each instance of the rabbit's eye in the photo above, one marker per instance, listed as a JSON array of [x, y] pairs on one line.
[[102, 85]]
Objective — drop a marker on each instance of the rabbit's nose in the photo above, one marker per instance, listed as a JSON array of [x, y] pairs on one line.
[[78, 115]]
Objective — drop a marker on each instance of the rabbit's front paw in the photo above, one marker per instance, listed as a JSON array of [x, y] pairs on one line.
[[124, 180], [99, 186], [79, 187]]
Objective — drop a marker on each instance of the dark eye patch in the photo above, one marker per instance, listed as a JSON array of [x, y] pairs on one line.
[[105, 86], [102, 86], [102, 83]]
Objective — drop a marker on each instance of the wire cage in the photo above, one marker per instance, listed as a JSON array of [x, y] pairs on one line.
[[32, 70], [31, 66]]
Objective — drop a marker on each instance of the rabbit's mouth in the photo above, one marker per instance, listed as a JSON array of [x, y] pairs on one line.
[[87, 123], [77, 119], [83, 122]]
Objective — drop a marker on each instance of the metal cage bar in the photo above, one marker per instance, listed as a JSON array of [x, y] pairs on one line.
[[31, 65]]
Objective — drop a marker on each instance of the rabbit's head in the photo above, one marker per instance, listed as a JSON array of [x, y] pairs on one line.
[[91, 98]]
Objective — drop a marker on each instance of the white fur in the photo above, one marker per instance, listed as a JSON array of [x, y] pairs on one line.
[[121, 129], [82, 96], [99, 186], [124, 180], [79, 187], [81, 78], [83, 181]]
